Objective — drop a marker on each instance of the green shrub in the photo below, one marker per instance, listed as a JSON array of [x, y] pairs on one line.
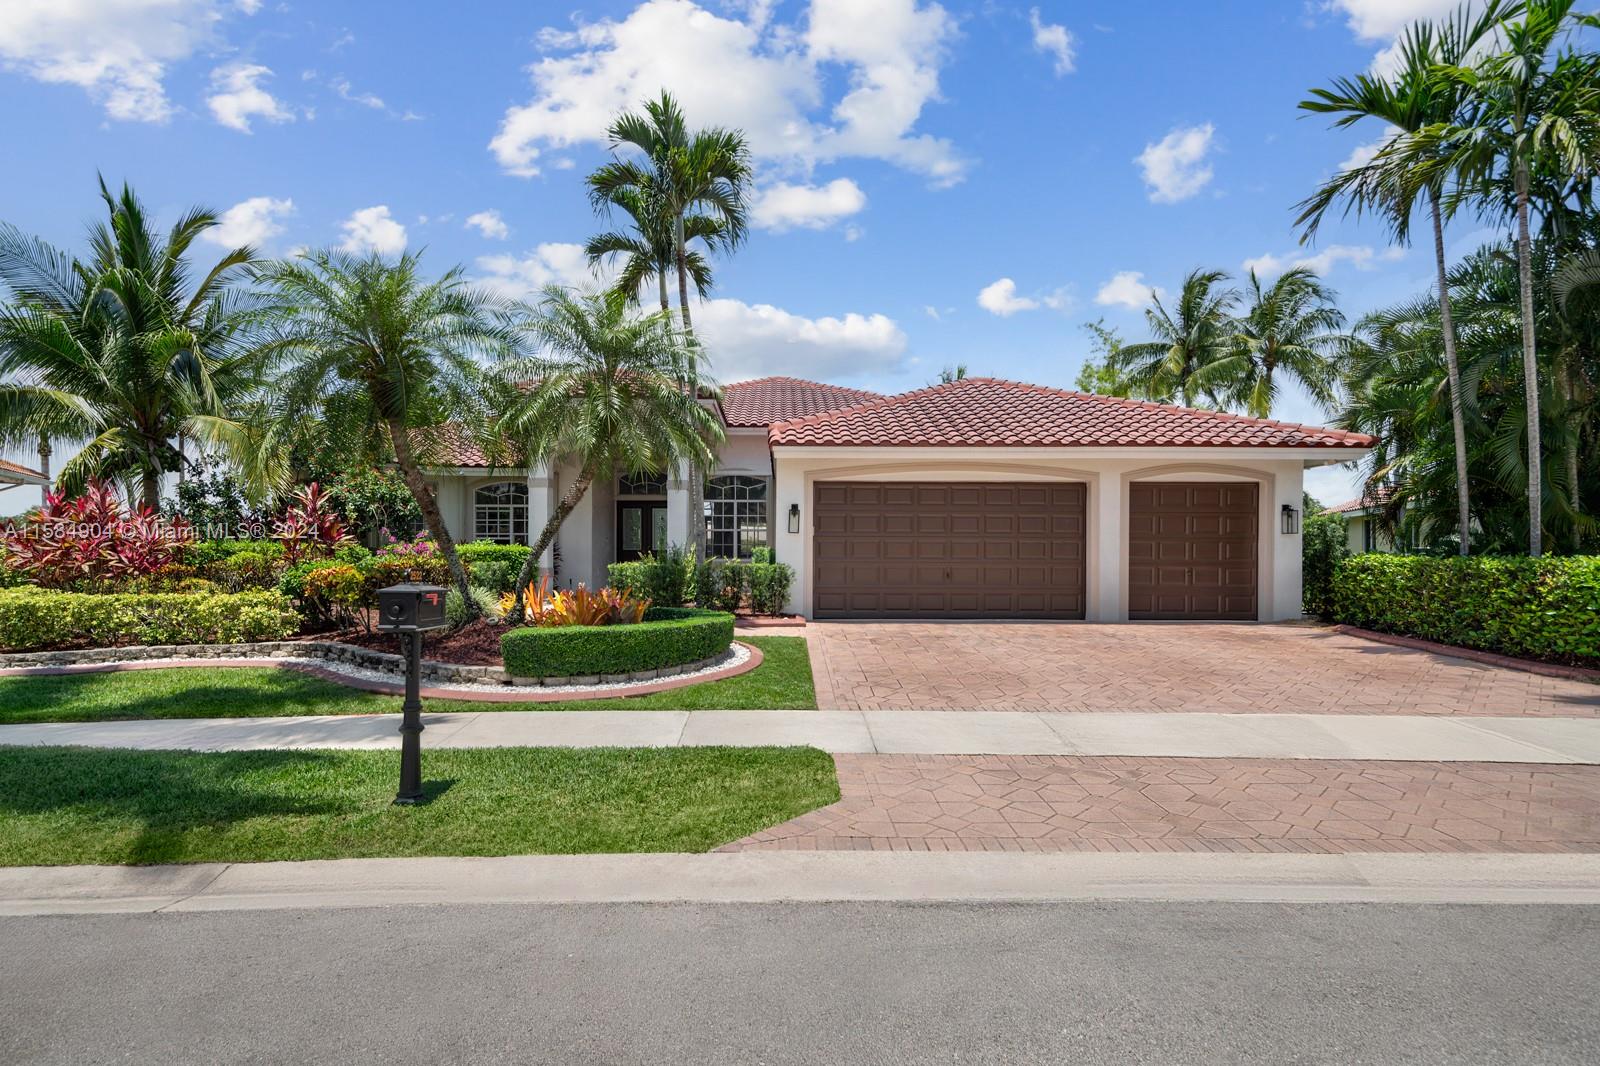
[[351, 554], [488, 550], [496, 575], [1323, 543], [391, 570], [242, 570], [1546, 608], [455, 607], [36, 618], [719, 584], [667, 637], [292, 582], [666, 580], [769, 587], [202, 553]]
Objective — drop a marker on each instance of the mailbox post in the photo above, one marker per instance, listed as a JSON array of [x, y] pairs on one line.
[[410, 609]]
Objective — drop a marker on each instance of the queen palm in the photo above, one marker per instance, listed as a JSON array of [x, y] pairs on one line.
[[126, 350], [1412, 98], [1531, 109], [1194, 334], [609, 394], [647, 253], [1291, 329], [371, 347]]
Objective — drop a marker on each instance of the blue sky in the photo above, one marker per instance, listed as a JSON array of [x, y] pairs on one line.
[[937, 184]]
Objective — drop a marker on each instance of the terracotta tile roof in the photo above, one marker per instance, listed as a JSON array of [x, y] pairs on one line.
[[8, 467], [986, 412], [1364, 503], [452, 446], [764, 401]]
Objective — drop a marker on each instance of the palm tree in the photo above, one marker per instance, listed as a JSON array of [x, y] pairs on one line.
[[1194, 335], [1529, 111], [609, 393], [1410, 99], [1291, 328], [372, 347], [125, 350], [647, 253]]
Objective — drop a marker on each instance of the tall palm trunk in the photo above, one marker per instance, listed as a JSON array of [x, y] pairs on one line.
[[697, 525], [1530, 365], [1453, 370], [44, 456], [661, 279], [428, 504], [547, 536], [150, 488]]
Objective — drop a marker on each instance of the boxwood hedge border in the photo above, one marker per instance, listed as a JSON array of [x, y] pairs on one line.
[[668, 637]]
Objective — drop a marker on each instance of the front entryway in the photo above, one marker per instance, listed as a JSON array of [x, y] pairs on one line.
[[641, 529], [1192, 551], [949, 550]]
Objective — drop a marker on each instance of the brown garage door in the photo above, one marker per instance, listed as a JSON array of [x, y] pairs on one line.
[[948, 550], [1192, 550]]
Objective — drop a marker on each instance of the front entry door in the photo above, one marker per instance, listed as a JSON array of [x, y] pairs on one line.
[[641, 528]]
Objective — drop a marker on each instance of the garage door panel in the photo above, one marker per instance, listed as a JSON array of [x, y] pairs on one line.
[[950, 549], [1192, 550]]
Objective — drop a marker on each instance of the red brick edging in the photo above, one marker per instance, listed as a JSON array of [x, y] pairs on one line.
[[1490, 658], [512, 694]]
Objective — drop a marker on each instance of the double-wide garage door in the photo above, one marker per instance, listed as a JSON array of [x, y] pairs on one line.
[[1192, 550], [949, 549]]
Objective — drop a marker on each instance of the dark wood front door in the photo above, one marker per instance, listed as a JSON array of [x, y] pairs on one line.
[[641, 529], [949, 549], [1192, 550]]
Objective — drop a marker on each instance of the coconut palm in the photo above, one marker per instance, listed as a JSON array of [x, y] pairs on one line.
[[129, 350], [1411, 98], [1291, 329], [369, 346], [609, 394], [1193, 335], [1533, 107], [647, 253]]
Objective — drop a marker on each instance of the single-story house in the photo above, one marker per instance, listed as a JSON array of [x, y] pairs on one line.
[[979, 498], [14, 474], [1361, 524]]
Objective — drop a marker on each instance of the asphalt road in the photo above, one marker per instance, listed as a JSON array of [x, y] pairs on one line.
[[1075, 983]]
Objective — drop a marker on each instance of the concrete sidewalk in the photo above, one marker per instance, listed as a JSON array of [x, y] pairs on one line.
[[1245, 736], [817, 877]]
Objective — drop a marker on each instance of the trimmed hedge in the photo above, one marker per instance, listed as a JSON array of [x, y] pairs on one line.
[[1546, 608], [33, 618], [666, 580], [668, 636]]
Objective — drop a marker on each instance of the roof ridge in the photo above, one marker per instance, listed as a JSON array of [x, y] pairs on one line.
[[798, 381]]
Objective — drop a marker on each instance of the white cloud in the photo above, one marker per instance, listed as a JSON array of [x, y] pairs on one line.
[[237, 97], [784, 206], [750, 340], [1175, 167], [1381, 20], [1127, 289], [248, 7], [768, 79], [1000, 298], [253, 222], [116, 50], [371, 229], [1362, 257], [521, 277], [490, 224], [346, 91], [1363, 154], [1056, 41]]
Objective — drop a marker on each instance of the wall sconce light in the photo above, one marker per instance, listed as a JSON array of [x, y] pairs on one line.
[[1291, 519], [794, 518]]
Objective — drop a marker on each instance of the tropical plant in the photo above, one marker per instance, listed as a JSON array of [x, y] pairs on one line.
[[373, 502], [1099, 374], [90, 541], [131, 349], [308, 528], [370, 346], [1291, 329], [649, 253], [1186, 341], [1409, 99], [608, 392]]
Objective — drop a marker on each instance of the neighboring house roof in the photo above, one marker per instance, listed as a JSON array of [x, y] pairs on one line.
[[17, 474], [987, 412], [1363, 503], [452, 446], [764, 401]]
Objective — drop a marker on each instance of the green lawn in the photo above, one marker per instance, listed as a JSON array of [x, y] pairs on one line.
[[90, 805], [783, 680]]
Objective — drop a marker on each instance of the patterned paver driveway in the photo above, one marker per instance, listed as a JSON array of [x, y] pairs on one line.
[[1022, 666], [1071, 803]]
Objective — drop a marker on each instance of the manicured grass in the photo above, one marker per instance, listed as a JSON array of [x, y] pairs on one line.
[[91, 805], [783, 680]]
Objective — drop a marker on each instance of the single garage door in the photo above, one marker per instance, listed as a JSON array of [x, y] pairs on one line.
[[1192, 550], [948, 550]]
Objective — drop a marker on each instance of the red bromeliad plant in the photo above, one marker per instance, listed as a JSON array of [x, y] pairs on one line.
[[91, 541], [308, 529]]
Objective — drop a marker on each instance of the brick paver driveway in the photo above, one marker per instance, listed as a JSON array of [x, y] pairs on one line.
[[1021, 666], [1071, 803]]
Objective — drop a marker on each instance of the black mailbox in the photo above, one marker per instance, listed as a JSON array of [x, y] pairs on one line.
[[410, 608]]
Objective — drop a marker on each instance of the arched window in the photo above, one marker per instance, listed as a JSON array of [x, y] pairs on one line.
[[642, 485], [736, 515], [500, 512]]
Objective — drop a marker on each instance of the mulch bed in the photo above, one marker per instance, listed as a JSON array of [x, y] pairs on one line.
[[474, 644]]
